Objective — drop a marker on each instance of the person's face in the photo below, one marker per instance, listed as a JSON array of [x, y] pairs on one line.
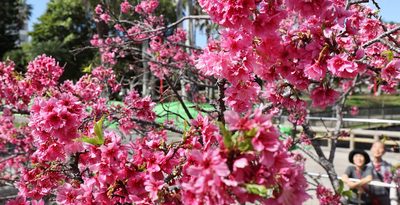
[[378, 150], [358, 160]]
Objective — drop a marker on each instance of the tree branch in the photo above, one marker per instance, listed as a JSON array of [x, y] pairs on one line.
[[323, 161], [200, 17], [154, 124], [178, 96], [222, 108], [351, 2], [378, 39]]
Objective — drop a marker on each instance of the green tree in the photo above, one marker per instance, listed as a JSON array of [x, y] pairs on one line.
[[13, 13], [65, 27]]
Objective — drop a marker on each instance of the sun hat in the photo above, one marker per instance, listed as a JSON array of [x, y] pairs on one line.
[[358, 151]]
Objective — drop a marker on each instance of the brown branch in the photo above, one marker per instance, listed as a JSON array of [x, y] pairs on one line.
[[391, 38], [200, 17], [351, 2], [15, 111], [339, 119], [172, 112], [11, 157], [222, 108], [322, 160], [378, 38], [390, 45], [157, 125], [178, 96], [76, 174], [376, 4]]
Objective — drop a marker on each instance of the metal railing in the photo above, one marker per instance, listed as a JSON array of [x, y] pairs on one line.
[[393, 194]]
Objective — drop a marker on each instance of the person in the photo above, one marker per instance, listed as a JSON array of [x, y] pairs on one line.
[[359, 171], [380, 170]]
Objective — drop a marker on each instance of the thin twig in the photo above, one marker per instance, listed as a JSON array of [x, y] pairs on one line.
[[222, 108], [378, 38], [178, 96], [390, 45], [154, 124], [351, 2]]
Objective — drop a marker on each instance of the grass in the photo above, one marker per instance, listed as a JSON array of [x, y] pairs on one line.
[[373, 101], [174, 111]]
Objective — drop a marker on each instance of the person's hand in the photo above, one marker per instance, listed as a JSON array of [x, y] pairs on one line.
[[360, 190]]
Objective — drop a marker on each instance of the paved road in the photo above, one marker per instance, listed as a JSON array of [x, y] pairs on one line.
[[340, 163]]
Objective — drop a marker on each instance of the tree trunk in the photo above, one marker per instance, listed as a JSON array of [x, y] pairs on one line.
[[146, 73]]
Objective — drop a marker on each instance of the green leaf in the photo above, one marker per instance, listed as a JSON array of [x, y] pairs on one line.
[[227, 135], [251, 133], [185, 125], [245, 145], [347, 193], [260, 190], [98, 139], [388, 54], [341, 186], [92, 140], [285, 130], [293, 147], [98, 129], [87, 69]]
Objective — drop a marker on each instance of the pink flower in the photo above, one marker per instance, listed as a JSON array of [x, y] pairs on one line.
[[18, 201], [315, 71], [204, 181], [323, 97], [391, 71], [229, 13], [146, 6], [341, 67], [98, 9], [43, 72], [327, 197], [235, 41], [152, 186], [241, 96], [307, 7], [67, 194], [125, 7], [237, 122], [354, 111], [105, 17]]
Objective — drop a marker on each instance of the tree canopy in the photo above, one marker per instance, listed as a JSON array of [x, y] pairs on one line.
[[13, 13]]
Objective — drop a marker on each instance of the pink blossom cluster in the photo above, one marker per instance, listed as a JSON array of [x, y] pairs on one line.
[[16, 142], [11, 86], [135, 107], [146, 7], [43, 72], [55, 122], [260, 41], [326, 197], [125, 7], [103, 15], [322, 97], [90, 87], [168, 55], [22, 201]]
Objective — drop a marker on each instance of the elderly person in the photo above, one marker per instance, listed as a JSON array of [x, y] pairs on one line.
[[358, 171], [380, 172]]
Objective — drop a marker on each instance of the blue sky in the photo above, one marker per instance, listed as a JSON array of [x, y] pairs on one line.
[[38, 8], [389, 9]]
